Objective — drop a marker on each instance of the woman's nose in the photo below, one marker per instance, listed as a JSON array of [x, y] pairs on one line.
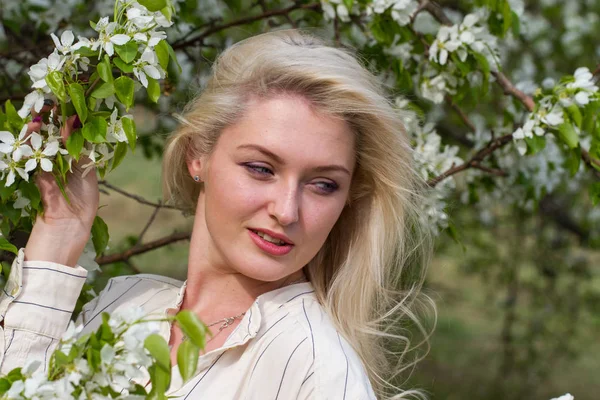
[[284, 206]]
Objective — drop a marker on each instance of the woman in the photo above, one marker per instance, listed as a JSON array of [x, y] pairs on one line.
[[306, 248]]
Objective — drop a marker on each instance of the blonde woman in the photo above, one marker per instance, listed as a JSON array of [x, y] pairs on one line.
[[306, 248]]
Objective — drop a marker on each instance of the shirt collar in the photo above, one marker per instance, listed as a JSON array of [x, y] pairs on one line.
[[261, 308]]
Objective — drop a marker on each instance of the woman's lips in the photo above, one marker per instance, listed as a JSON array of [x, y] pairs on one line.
[[269, 247]]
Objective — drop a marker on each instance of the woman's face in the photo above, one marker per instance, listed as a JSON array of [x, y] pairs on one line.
[[282, 170]]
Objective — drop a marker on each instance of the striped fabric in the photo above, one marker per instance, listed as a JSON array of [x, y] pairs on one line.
[[285, 347]]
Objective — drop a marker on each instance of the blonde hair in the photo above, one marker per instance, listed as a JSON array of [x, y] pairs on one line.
[[369, 273]]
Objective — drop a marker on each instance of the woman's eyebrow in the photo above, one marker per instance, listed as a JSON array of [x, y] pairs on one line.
[[263, 150], [279, 160]]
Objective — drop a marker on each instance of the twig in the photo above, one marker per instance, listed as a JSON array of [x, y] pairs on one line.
[[150, 221], [124, 256], [89, 90], [244, 21], [139, 199], [511, 90], [461, 114], [474, 161]]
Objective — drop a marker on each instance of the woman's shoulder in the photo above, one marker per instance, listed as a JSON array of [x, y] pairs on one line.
[[337, 370], [149, 292]]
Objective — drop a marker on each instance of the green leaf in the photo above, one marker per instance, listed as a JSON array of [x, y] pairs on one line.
[[595, 193], [187, 359], [535, 144], [95, 130], [103, 90], [153, 89], [516, 25], [13, 118], [463, 67], [7, 246], [31, 191], [153, 5], [120, 152], [127, 51], [124, 89], [77, 94], [104, 69], [75, 144], [160, 383], [56, 83], [485, 69], [192, 327], [6, 192], [91, 103], [506, 17], [567, 133], [162, 53], [573, 161], [127, 68], [99, 235], [173, 56], [86, 52], [575, 114], [130, 131], [4, 386], [159, 350]]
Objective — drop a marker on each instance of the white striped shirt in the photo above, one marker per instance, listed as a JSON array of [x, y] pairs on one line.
[[285, 347]]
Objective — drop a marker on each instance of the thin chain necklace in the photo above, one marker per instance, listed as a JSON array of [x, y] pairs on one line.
[[225, 322]]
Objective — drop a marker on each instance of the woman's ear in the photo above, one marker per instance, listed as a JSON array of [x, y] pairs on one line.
[[196, 166]]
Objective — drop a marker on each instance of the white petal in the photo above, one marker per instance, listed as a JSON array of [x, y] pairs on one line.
[[148, 56], [23, 132], [30, 165], [39, 103], [51, 148], [46, 164], [67, 38], [151, 71], [56, 41], [5, 148], [140, 37], [143, 79], [470, 20], [23, 174], [10, 179], [7, 137], [109, 49], [582, 98], [36, 141], [443, 56], [120, 39]]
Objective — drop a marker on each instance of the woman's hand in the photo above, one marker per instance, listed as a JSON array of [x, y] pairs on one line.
[[60, 234]]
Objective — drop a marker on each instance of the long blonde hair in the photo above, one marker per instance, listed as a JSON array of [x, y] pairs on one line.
[[369, 273]]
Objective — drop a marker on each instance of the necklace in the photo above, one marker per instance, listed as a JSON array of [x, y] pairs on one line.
[[225, 322]]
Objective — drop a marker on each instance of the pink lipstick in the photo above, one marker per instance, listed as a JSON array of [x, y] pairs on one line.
[[270, 247]]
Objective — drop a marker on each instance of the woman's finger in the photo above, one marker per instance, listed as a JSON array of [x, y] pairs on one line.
[[73, 123]]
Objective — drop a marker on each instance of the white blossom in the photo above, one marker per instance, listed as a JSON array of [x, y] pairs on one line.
[[34, 99], [39, 71], [65, 43], [17, 146], [146, 66], [41, 156]]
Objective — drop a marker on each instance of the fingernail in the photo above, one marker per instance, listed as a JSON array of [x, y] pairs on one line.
[[77, 122], [48, 102], [37, 119]]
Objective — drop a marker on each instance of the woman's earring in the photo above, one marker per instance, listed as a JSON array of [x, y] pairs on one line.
[[197, 178]]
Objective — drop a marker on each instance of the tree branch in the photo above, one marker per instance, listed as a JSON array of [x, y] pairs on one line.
[[244, 21], [136, 250], [139, 199], [475, 160]]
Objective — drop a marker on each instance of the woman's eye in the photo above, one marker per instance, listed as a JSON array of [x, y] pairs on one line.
[[327, 187], [259, 169]]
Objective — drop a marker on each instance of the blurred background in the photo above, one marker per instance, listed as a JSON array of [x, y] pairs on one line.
[[516, 281]]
